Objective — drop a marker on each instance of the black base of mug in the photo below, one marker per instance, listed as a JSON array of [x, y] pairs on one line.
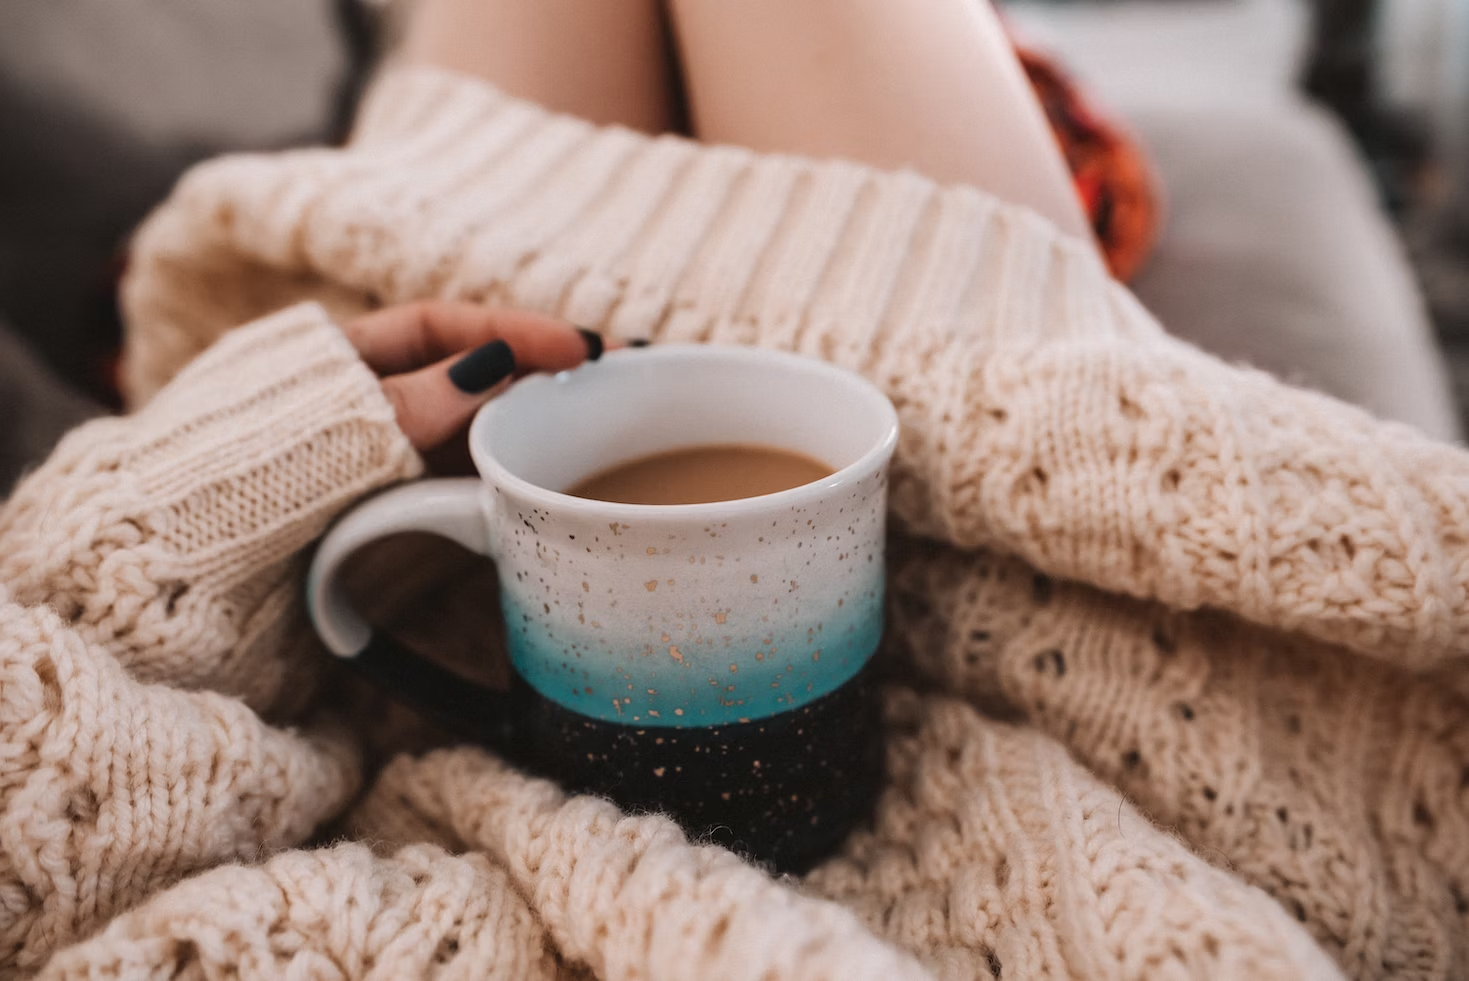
[[784, 791]]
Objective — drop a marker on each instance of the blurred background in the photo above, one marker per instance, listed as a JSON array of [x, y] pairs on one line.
[[1313, 156]]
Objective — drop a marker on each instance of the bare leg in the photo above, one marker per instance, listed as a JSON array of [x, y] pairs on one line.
[[933, 85], [602, 60]]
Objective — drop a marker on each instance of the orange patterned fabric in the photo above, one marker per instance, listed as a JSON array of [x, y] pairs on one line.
[[1116, 184]]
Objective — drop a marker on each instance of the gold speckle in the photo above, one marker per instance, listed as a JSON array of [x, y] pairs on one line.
[[586, 587], [650, 585], [724, 794], [616, 528], [759, 655], [652, 550], [677, 655], [659, 771], [754, 578], [617, 705], [654, 714], [734, 669], [816, 654], [666, 638], [652, 691], [678, 711], [721, 617], [670, 582]]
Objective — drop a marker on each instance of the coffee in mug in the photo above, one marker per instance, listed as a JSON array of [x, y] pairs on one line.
[[707, 660], [702, 475]]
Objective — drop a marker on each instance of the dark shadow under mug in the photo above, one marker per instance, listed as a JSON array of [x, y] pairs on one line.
[[707, 661]]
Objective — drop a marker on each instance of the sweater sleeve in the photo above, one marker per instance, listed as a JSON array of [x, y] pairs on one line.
[[170, 538]]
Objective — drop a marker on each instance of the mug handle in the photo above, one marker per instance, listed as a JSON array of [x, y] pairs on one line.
[[449, 508]]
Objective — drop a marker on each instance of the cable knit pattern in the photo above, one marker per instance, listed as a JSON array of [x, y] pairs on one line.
[[995, 855], [1225, 550], [111, 789], [1331, 781], [328, 914]]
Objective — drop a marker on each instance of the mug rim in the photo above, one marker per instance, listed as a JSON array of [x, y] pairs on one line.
[[494, 473]]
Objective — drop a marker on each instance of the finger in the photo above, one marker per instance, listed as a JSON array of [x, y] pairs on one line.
[[435, 402], [414, 335]]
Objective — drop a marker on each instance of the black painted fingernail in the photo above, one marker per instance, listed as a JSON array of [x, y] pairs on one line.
[[593, 341], [639, 342], [483, 368]]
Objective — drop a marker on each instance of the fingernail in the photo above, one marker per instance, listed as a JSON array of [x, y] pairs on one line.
[[593, 341], [639, 342], [483, 368]]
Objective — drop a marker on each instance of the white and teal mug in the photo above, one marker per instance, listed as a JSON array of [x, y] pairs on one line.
[[706, 660]]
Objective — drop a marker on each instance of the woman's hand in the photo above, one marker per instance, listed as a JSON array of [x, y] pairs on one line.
[[440, 361]]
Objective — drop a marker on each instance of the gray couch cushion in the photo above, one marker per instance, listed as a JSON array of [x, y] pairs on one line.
[[103, 104], [36, 410], [1275, 253]]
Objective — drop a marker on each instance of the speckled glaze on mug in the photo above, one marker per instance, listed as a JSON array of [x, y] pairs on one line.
[[728, 629], [669, 620]]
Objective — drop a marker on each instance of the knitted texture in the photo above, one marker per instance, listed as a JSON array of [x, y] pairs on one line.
[[1161, 580], [328, 914], [1334, 782], [157, 549]]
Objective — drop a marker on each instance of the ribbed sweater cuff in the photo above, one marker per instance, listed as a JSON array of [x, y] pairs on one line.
[[256, 445]]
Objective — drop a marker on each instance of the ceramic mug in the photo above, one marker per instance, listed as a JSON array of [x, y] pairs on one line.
[[703, 660]]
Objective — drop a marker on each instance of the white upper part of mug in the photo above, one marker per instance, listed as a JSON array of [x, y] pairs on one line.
[[687, 614], [549, 432]]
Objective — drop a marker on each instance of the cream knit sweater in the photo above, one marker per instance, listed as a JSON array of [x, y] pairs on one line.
[[1180, 647]]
